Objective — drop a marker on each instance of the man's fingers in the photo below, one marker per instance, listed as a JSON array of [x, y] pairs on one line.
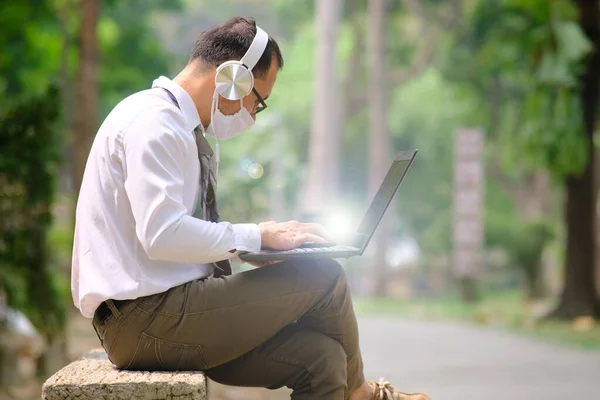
[[321, 231], [291, 234], [317, 229], [307, 237]]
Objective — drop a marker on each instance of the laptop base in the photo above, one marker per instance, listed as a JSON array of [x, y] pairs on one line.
[[301, 254]]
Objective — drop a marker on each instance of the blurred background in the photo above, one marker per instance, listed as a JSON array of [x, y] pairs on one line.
[[484, 275]]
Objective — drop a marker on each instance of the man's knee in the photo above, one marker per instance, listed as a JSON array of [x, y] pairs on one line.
[[325, 271], [334, 267]]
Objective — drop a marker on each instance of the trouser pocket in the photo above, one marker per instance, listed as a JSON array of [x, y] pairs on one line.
[[121, 337]]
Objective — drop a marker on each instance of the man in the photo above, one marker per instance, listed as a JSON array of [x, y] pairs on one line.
[[157, 281]]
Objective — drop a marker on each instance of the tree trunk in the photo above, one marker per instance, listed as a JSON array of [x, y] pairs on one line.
[[467, 287], [536, 288], [85, 124], [322, 179], [597, 254], [579, 296], [532, 196], [277, 202], [66, 89], [8, 360], [353, 93], [379, 141], [597, 251]]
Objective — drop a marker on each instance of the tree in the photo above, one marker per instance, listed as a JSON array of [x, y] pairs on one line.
[[30, 43], [27, 176], [534, 64], [86, 118], [323, 165], [30, 139], [579, 296]]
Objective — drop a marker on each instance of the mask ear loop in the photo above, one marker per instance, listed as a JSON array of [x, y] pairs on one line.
[[214, 106]]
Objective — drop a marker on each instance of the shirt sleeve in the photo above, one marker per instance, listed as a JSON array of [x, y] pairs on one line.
[[155, 156]]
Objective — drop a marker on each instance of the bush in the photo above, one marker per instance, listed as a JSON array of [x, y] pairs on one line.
[[524, 243], [29, 165]]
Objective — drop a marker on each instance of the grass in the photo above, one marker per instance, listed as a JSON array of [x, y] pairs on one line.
[[505, 311]]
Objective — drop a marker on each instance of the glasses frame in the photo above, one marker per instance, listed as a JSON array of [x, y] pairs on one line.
[[262, 105]]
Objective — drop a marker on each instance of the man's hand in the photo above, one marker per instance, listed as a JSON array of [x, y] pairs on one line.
[[289, 235]]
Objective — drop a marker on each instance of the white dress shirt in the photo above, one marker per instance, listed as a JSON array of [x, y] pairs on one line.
[[134, 233]]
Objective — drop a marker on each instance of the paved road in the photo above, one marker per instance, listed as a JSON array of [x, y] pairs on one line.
[[460, 362]]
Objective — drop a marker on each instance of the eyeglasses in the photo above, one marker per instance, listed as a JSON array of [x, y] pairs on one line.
[[262, 104]]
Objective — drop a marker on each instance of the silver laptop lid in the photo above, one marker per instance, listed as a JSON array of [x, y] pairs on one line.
[[383, 198]]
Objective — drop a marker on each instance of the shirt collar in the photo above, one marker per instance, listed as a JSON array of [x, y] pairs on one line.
[[186, 104]]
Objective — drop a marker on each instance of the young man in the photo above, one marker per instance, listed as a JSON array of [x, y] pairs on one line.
[[157, 281]]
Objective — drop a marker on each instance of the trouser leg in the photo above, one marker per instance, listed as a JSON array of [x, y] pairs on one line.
[[210, 322], [304, 360]]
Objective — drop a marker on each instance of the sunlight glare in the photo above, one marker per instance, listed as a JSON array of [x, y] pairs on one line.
[[340, 224]]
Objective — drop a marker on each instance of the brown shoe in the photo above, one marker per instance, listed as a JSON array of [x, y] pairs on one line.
[[385, 391]]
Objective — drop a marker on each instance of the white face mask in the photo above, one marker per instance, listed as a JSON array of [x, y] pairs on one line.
[[223, 127]]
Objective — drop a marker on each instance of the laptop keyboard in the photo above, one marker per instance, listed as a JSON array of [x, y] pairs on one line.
[[312, 250]]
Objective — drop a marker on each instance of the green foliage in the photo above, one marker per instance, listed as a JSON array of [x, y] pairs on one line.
[[280, 139], [512, 71], [131, 54], [31, 46], [506, 310], [522, 59], [524, 244], [30, 63], [280, 18], [294, 13], [431, 129], [31, 147]]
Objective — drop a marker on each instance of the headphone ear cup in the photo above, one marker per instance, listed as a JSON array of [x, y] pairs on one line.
[[233, 80]]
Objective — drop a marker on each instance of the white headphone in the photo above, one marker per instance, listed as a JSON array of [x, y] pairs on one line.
[[234, 79]]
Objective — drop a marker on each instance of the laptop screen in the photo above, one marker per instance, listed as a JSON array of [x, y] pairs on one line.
[[382, 199]]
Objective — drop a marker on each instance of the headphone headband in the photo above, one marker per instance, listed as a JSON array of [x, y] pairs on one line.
[[256, 49]]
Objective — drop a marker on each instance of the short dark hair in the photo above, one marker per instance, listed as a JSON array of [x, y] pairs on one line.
[[230, 41]]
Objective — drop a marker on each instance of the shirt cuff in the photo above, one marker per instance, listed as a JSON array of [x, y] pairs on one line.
[[246, 237]]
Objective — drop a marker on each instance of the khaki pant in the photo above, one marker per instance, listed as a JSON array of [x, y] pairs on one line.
[[289, 324]]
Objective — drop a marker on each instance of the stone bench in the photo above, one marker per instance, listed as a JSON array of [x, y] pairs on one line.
[[94, 377]]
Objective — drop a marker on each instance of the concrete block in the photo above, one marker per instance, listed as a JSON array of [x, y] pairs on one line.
[[94, 377]]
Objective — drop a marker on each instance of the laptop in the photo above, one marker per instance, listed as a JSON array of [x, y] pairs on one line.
[[361, 238]]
